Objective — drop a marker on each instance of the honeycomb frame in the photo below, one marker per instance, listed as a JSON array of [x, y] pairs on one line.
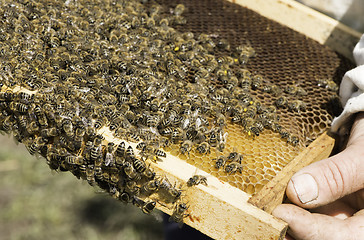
[[193, 219]]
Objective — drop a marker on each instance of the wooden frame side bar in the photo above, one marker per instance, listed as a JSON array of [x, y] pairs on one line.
[[307, 21]]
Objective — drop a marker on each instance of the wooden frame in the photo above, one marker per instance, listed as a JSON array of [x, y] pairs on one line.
[[223, 211]]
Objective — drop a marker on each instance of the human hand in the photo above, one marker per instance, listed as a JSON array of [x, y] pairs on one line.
[[334, 191]]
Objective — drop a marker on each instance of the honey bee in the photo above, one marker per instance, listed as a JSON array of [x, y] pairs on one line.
[[275, 127], [245, 83], [301, 91], [290, 89], [114, 192], [223, 44], [109, 156], [148, 207], [141, 146], [154, 105], [235, 157], [328, 84], [221, 120], [148, 173], [177, 135], [332, 86], [153, 153], [152, 121], [90, 175], [36, 144], [133, 136], [275, 90], [213, 138], [267, 88], [172, 191], [160, 153], [37, 111], [150, 23], [150, 186], [124, 197], [257, 128], [250, 111], [7, 96], [68, 128], [31, 128], [132, 187], [203, 121], [52, 157], [236, 118], [114, 177], [130, 171], [256, 81], [23, 122], [294, 90], [281, 102], [203, 148], [49, 132], [164, 124], [79, 134], [293, 140], [105, 176], [233, 167], [222, 141], [179, 9], [120, 153], [296, 105], [284, 134], [115, 123], [18, 107], [139, 165], [196, 179], [24, 97], [74, 160], [186, 146], [129, 153], [220, 161], [95, 153], [247, 123], [179, 213]]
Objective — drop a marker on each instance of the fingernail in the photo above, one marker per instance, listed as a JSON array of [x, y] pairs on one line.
[[306, 187]]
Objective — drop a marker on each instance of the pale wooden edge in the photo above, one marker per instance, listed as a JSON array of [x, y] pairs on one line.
[[307, 21], [271, 195]]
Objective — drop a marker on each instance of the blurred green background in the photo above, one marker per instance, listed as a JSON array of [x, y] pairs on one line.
[[36, 203]]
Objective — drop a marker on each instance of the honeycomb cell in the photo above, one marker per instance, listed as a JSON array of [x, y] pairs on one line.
[[258, 187], [253, 179], [250, 189], [267, 164]]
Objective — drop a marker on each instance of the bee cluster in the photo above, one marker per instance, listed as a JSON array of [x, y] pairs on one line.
[[83, 66]]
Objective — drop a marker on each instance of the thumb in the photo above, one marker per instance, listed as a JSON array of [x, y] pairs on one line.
[[330, 179], [313, 226]]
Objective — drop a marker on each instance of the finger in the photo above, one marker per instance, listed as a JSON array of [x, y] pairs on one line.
[[338, 209], [355, 200], [288, 237], [360, 213], [305, 225], [328, 180]]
